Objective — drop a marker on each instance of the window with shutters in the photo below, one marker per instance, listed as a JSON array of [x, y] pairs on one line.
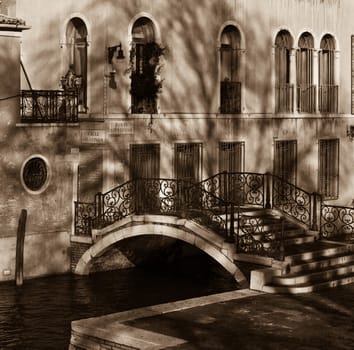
[[230, 85], [329, 168], [306, 91], [188, 161], [284, 91], [285, 160], [328, 91]]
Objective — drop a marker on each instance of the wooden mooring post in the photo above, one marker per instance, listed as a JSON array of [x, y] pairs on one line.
[[21, 231]]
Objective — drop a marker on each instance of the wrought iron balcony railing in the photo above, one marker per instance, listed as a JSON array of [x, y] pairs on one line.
[[336, 222], [49, 106], [306, 98], [230, 97], [292, 200], [328, 98], [284, 98]]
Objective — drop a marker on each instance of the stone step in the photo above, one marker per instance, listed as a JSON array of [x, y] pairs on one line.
[[312, 254], [287, 241], [321, 263], [314, 276], [288, 234], [310, 287]]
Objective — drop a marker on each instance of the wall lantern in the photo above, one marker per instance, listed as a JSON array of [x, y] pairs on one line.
[[350, 132], [112, 50]]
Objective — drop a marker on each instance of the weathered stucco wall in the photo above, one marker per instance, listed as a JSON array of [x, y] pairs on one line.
[[44, 254]]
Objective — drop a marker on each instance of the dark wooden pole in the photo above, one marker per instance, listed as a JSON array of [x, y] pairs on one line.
[[21, 230]]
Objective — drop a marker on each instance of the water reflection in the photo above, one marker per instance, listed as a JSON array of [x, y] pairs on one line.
[[38, 315]]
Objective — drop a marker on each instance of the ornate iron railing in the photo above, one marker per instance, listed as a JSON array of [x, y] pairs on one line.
[[292, 200], [208, 209], [336, 222], [84, 215], [284, 98], [254, 236], [49, 106], [115, 204], [328, 98], [239, 188]]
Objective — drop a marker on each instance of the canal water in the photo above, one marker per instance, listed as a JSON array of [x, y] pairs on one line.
[[37, 315]]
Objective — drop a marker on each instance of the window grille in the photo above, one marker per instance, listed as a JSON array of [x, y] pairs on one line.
[[285, 160], [144, 161], [231, 156], [329, 168], [188, 161]]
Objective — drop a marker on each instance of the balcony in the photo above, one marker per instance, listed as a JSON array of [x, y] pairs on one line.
[[49, 106], [284, 98], [306, 98], [230, 97], [328, 98]]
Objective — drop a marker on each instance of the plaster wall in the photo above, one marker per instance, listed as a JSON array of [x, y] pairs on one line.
[[44, 254]]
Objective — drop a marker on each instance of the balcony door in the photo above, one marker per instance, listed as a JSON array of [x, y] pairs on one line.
[[328, 91], [76, 37], [283, 90], [306, 91], [230, 86]]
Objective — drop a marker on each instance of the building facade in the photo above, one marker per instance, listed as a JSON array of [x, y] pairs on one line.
[[117, 90]]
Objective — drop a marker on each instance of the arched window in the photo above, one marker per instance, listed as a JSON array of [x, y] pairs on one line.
[[306, 91], [145, 55], [284, 92], [230, 86], [328, 91], [76, 77]]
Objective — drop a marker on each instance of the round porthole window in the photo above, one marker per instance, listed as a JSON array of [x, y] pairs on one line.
[[35, 174]]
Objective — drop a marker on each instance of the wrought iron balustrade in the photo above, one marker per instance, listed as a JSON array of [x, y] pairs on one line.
[[257, 237], [336, 222], [49, 106], [208, 209], [84, 216], [328, 98], [306, 98], [230, 97], [284, 98], [115, 204], [240, 188], [292, 200]]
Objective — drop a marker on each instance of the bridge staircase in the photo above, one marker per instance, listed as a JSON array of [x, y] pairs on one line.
[[270, 224]]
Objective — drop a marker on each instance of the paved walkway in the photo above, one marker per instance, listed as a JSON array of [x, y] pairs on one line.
[[236, 320]]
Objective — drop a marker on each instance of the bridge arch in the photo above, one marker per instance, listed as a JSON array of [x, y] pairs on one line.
[[209, 242]]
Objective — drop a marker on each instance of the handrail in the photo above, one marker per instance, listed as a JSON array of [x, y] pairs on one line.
[[292, 200], [212, 201], [336, 221], [239, 188]]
